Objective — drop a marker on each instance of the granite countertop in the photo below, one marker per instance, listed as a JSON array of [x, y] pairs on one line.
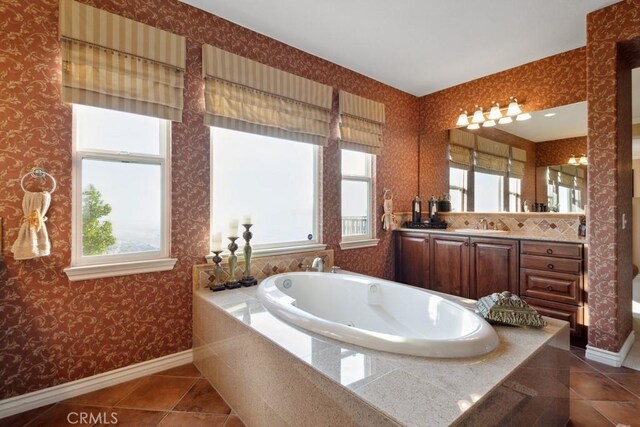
[[406, 388], [519, 235]]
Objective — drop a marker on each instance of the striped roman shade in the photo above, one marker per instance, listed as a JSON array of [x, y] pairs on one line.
[[516, 169], [491, 156], [518, 154], [461, 145], [248, 96], [113, 62], [361, 123]]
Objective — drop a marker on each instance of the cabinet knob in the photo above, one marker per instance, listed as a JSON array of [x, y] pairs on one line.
[[466, 243], [549, 251], [473, 244], [549, 288], [550, 266]]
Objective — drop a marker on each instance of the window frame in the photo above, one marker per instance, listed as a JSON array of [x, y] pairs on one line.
[[464, 190], [96, 266], [518, 195], [268, 249], [361, 240]]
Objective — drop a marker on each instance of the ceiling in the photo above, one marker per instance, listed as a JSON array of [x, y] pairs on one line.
[[567, 121], [421, 46]]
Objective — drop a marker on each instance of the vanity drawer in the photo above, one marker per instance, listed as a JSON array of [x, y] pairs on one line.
[[563, 250], [569, 313], [548, 263], [551, 286]]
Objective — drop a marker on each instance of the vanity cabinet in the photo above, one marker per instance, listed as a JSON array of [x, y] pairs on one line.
[[412, 259], [449, 264], [493, 266], [470, 267], [552, 280]]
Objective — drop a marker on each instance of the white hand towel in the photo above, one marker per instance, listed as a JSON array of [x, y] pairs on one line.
[[33, 239]]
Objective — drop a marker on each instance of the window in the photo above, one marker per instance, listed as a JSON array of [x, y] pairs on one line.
[[488, 194], [356, 198], [458, 189], [515, 194], [276, 181], [121, 189], [564, 199]]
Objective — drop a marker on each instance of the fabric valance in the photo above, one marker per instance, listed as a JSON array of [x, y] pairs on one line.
[[248, 96], [109, 61], [518, 154], [462, 138], [461, 155], [361, 123]]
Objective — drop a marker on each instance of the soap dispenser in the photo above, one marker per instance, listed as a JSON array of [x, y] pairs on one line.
[[416, 210]]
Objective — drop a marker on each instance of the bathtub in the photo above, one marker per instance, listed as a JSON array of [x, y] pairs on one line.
[[378, 314]]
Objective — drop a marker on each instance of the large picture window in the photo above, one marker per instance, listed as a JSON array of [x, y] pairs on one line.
[[276, 181]]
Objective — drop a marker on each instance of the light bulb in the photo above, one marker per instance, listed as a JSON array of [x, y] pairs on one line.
[[478, 116], [522, 117], [514, 108], [583, 160], [573, 160], [463, 120], [473, 126], [495, 113], [489, 123], [505, 120]]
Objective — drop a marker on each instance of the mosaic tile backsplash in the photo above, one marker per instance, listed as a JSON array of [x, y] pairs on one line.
[[552, 225], [263, 267]]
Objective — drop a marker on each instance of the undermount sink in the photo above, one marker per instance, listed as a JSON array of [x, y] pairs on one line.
[[478, 230]]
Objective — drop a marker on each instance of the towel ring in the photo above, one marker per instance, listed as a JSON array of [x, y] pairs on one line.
[[38, 173]]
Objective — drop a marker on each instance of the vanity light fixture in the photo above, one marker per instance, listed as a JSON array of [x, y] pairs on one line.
[[550, 114], [478, 116], [573, 160], [505, 120], [473, 126], [489, 123], [495, 113], [463, 120], [522, 117], [583, 160], [514, 108]]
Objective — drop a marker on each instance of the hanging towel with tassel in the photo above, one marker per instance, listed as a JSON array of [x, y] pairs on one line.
[[33, 239]]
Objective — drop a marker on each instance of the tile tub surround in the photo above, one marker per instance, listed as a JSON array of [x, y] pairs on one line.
[[521, 225], [275, 374], [262, 267]]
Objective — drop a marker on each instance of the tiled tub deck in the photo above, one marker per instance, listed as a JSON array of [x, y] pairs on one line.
[[274, 374]]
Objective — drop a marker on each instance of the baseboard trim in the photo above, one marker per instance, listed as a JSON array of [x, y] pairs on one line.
[[611, 358], [25, 402]]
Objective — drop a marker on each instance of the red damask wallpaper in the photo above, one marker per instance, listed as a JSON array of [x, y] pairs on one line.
[[557, 152], [613, 48], [550, 82], [53, 330]]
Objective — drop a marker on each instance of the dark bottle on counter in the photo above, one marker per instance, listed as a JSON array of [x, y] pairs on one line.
[[433, 209], [416, 210]]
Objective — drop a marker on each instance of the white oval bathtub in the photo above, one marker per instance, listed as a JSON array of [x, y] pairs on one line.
[[377, 314]]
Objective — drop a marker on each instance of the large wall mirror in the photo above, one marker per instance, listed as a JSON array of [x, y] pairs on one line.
[[539, 164]]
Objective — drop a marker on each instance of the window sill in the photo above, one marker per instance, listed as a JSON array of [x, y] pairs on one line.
[[259, 253], [86, 272], [357, 244]]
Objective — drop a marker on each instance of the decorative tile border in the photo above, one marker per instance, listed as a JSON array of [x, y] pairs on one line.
[[263, 267], [551, 225]]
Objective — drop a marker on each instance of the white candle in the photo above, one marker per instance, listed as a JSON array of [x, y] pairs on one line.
[[216, 242], [233, 228], [247, 219]]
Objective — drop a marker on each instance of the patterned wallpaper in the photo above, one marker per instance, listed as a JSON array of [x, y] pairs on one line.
[[550, 82], [613, 48], [55, 331], [557, 152]]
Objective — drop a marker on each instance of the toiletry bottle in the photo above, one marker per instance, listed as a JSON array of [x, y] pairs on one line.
[[416, 210], [433, 209]]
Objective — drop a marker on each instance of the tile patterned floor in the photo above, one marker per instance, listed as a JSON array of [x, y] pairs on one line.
[[600, 396], [176, 397]]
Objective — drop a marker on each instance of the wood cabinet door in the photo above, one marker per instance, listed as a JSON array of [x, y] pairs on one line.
[[494, 266], [450, 265], [412, 259]]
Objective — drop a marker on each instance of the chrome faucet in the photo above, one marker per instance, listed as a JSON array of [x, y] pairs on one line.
[[318, 264], [482, 224]]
